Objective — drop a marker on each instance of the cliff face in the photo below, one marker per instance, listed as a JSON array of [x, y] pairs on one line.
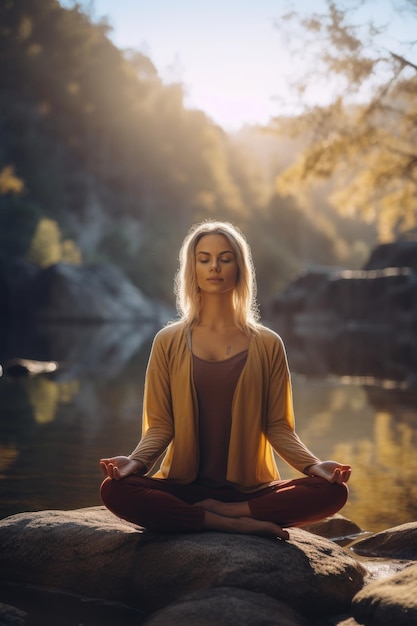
[[361, 323], [382, 296], [69, 293], [401, 253]]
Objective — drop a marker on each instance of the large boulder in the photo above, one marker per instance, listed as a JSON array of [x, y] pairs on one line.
[[399, 542], [10, 616], [320, 578], [224, 606], [69, 293], [381, 295], [91, 552], [391, 601], [336, 527], [331, 301], [400, 253], [370, 314], [87, 551]]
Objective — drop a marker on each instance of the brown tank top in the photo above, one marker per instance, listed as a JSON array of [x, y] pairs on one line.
[[215, 383]]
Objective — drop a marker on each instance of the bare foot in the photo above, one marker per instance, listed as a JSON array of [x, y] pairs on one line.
[[244, 524], [226, 509], [251, 526]]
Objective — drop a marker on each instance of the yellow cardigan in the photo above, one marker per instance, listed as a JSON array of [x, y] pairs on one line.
[[262, 413]]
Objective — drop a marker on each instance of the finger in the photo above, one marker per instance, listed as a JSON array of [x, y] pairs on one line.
[[283, 534], [103, 467], [110, 470], [346, 475], [343, 476], [336, 476]]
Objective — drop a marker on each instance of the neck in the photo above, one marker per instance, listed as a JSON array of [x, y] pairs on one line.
[[217, 312]]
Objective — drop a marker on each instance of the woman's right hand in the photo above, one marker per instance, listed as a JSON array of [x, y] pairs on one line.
[[118, 467]]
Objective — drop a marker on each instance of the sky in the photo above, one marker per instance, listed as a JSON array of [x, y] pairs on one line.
[[227, 53]]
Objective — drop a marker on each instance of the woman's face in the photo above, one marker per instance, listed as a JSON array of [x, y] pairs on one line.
[[216, 265]]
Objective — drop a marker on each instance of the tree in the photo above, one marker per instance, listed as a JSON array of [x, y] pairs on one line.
[[47, 247], [110, 163], [364, 138]]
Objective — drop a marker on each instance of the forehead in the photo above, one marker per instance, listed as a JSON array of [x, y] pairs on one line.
[[213, 241]]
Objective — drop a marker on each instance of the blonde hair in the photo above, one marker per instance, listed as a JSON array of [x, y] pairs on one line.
[[186, 287]]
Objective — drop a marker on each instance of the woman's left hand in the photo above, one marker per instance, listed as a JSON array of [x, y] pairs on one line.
[[332, 471]]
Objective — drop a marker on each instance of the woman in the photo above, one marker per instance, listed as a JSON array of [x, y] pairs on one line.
[[217, 403]]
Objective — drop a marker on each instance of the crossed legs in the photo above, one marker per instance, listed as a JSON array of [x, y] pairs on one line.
[[164, 506]]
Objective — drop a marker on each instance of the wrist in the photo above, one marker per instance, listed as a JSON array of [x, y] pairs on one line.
[[140, 466], [307, 470]]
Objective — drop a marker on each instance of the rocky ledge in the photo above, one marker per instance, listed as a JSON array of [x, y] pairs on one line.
[[209, 578]]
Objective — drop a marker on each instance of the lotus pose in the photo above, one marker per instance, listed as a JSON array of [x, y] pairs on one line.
[[217, 405]]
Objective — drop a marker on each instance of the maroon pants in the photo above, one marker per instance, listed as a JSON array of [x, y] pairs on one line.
[[164, 506]]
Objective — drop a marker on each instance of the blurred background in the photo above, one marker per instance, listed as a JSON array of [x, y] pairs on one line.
[[121, 125]]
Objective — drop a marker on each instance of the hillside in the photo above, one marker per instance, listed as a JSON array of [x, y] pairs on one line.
[[101, 161]]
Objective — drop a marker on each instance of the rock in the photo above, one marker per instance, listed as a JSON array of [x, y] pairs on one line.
[[86, 551], [337, 527], [47, 607], [319, 576], [378, 297], [371, 315], [223, 606], [69, 293], [93, 293], [337, 620], [10, 616], [400, 253], [391, 602], [334, 300], [28, 367], [91, 552], [399, 542]]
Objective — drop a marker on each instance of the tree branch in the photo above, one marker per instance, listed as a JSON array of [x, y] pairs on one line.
[[403, 61]]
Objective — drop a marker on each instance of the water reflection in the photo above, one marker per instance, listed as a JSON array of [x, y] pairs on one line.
[[375, 430], [387, 358], [54, 428]]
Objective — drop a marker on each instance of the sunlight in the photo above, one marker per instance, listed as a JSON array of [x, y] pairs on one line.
[[232, 59], [230, 109]]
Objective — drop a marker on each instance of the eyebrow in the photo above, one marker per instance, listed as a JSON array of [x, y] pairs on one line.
[[222, 252]]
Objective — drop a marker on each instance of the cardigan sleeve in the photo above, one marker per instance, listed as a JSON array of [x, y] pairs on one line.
[[157, 419], [280, 425]]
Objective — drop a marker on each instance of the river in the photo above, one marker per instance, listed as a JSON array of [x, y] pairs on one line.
[[55, 427]]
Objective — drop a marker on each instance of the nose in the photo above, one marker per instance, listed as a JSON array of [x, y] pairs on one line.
[[215, 267]]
